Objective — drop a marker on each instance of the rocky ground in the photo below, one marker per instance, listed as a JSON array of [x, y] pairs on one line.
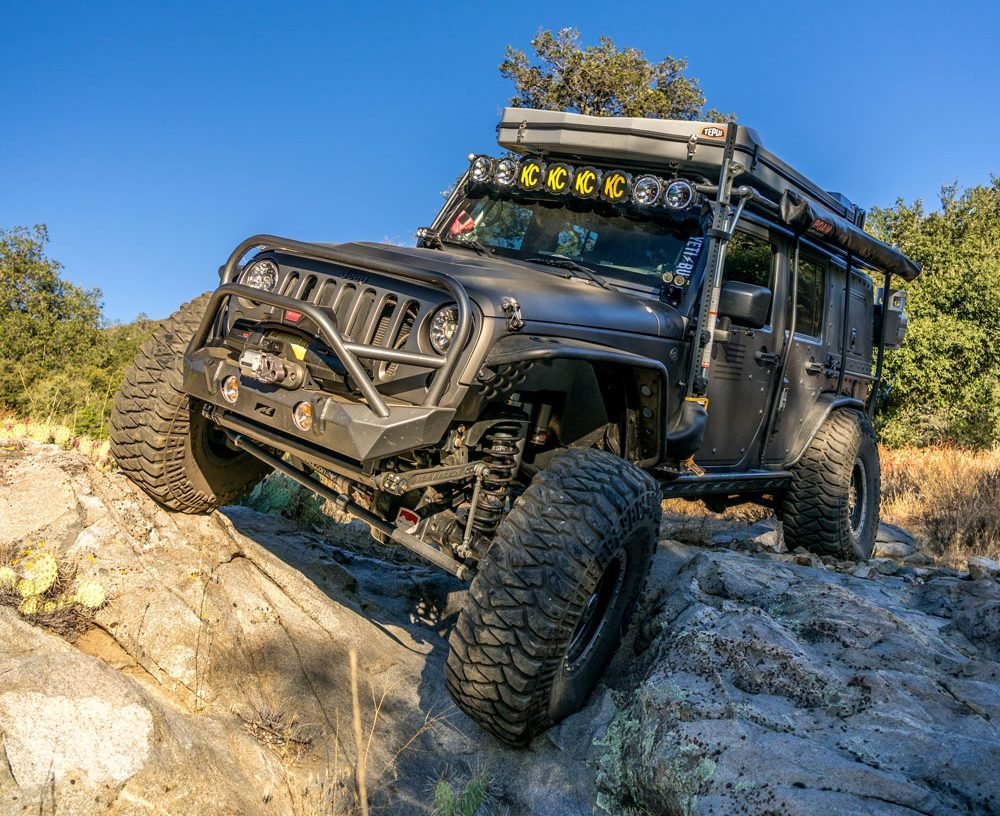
[[756, 681]]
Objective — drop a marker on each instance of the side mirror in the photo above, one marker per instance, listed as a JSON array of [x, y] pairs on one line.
[[745, 304]]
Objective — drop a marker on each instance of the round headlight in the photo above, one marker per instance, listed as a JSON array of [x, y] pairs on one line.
[[444, 323], [261, 275], [679, 194], [481, 169], [506, 172], [645, 190]]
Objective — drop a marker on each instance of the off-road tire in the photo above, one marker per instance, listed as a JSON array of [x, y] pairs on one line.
[[824, 509], [584, 529], [162, 442]]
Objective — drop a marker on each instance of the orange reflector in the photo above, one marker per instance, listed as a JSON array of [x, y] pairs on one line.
[[302, 416]]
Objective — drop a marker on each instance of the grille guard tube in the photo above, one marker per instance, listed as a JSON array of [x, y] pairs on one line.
[[348, 353]]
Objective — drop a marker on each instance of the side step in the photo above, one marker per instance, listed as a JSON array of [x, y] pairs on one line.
[[755, 481]]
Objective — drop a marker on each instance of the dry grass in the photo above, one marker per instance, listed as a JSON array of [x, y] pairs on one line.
[[948, 498], [691, 522], [341, 787], [282, 733]]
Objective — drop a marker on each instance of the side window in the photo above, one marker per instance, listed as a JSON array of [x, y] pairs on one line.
[[749, 259], [812, 286]]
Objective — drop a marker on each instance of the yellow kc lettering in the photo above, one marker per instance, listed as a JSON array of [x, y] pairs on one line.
[[556, 179], [614, 186], [585, 182], [529, 175]]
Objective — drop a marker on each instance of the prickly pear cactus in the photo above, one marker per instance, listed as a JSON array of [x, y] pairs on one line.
[[31, 605], [41, 571], [62, 436], [26, 588], [8, 578], [90, 594]]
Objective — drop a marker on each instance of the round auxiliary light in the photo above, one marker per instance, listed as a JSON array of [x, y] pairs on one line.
[[505, 172], [261, 275], [646, 190], [444, 324], [231, 389], [679, 194], [481, 168], [302, 416]]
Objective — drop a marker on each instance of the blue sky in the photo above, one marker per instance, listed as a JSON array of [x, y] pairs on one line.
[[152, 139]]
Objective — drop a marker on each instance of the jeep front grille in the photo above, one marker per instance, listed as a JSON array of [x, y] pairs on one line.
[[363, 313], [348, 309]]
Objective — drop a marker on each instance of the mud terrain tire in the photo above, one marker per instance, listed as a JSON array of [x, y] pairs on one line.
[[164, 444], [553, 594], [832, 505]]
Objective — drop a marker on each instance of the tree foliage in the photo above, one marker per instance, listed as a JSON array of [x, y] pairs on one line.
[[58, 358], [947, 374], [602, 80]]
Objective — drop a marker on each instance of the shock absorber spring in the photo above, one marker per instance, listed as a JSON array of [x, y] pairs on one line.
[[502, 462]]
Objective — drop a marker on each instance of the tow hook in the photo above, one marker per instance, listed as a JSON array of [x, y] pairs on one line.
[[512, 310]]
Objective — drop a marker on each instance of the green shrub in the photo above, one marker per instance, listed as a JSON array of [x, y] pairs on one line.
[[946, 376]]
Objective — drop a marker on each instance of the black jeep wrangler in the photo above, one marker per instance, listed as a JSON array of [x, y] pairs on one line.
[[614, 311]]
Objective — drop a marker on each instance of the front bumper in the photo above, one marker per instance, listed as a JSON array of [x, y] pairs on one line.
[[348, 428], [373, 428]]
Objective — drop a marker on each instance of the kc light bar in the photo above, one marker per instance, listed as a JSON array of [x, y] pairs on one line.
[[562, 179]]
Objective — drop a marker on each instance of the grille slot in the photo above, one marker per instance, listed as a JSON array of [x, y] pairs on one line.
[[402, 334], [291, 284], [308, 285], [359, 314], [383, 321], [342, 304]]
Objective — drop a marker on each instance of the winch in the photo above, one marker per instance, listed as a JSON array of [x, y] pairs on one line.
[[271, 369]]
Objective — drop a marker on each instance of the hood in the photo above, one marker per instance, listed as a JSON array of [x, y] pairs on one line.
[[544, 297]]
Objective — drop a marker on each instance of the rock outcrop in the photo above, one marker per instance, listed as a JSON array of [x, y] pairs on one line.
[[756, 681]]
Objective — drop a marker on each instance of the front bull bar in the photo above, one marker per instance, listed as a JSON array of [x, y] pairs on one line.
[[349, 353]]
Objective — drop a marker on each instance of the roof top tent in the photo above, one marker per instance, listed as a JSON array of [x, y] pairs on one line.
[[698, 148]]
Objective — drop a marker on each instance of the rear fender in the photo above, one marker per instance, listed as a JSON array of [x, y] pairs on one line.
[[821, 409]]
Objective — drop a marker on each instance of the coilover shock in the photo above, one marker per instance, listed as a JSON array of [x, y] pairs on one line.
[[502, 463]]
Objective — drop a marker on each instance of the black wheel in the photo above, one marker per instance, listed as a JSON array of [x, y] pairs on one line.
[[161, 442], [832, 505], [553, 594]]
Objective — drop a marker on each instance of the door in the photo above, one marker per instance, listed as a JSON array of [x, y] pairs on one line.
[[742, 370], [809, 371]]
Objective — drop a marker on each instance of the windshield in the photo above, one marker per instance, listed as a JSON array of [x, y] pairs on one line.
[[655, 252]]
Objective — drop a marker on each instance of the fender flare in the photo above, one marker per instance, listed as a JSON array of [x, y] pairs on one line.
[[515, 348], [825, 405], [518, 348]]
